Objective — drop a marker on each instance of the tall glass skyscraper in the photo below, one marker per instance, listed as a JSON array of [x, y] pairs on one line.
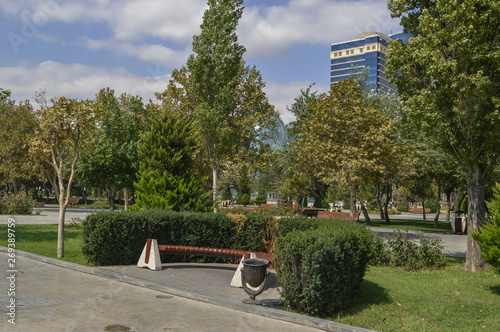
[[367, 50]]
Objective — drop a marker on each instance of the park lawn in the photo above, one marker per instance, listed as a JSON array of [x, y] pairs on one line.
[[451, 299], [411, 225], [42, 240]]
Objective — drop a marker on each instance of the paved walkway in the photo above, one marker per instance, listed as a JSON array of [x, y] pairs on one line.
[[53, 295]]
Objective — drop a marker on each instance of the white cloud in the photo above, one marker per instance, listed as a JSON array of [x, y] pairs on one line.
[[273, 30], [265, 30], [282, 94], [77, 81], [154, 53]]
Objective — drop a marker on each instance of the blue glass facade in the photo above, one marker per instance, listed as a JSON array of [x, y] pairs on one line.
[[368, 50]]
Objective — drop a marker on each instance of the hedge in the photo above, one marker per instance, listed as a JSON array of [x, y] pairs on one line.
[[117, 238], [321, 269]]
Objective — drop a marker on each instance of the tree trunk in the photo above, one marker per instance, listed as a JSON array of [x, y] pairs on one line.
[[352, 201], [476, 217], [84, 195], [365, 213], [125, 198], [388, 196], [214, 186], [111, 192], [448, 201], [378, 196], [423, 208], [63, 203], [438, 212]]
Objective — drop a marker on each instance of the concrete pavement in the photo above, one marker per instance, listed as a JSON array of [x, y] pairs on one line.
[[53, 295]]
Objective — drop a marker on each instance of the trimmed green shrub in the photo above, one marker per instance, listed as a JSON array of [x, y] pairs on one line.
[[245, 199], [260, 200], [464, 207], [117, 238], [320, 270], [488, 237]]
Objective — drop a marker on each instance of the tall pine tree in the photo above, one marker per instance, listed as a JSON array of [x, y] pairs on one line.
[[166, 179]]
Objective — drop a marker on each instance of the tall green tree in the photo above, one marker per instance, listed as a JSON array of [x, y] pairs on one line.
[[112, 161], [448, 75], [16, 125], [62, 131], [166, 179], [215, 71], [343, 140]]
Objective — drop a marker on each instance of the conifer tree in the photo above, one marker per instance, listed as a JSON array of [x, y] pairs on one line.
[[166, 179]]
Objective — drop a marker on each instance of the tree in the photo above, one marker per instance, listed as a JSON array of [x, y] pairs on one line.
[[343, 140], [448, 76], [166, 179], [61, 133], [215, 70], [16, 126], [488, 237], [301, 108], [112, 162]]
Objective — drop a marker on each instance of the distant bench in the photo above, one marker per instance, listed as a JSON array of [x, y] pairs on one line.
[[420, 210], [74, 201], [312, 213]]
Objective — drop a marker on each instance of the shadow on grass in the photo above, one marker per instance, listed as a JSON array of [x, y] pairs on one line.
[[495, 289], [369, 294]]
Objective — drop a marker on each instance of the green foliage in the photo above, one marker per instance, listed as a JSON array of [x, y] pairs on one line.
[[431, 205], [488, 236], [260, 200], [226, 194], [402, 251], [320, 270], [118, 238], [464, 206], [245, 199], [403, 205], [166, 179], [112, 162], [20, 204]]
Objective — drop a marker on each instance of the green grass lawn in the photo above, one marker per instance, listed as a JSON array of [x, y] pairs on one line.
[[439, 300], [412, 225], [42, 240]]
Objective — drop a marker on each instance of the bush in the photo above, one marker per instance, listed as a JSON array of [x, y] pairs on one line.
[[117, 238], [260, 200], [403, 206], [488, 237], [20, 204], [432, 206], [245, 199], [320, 270], [401, 251]]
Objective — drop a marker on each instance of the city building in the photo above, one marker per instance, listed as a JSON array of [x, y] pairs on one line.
[[276, 137], [368, 50]]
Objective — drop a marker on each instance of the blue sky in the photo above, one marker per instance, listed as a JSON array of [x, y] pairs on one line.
[[76, 47]]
